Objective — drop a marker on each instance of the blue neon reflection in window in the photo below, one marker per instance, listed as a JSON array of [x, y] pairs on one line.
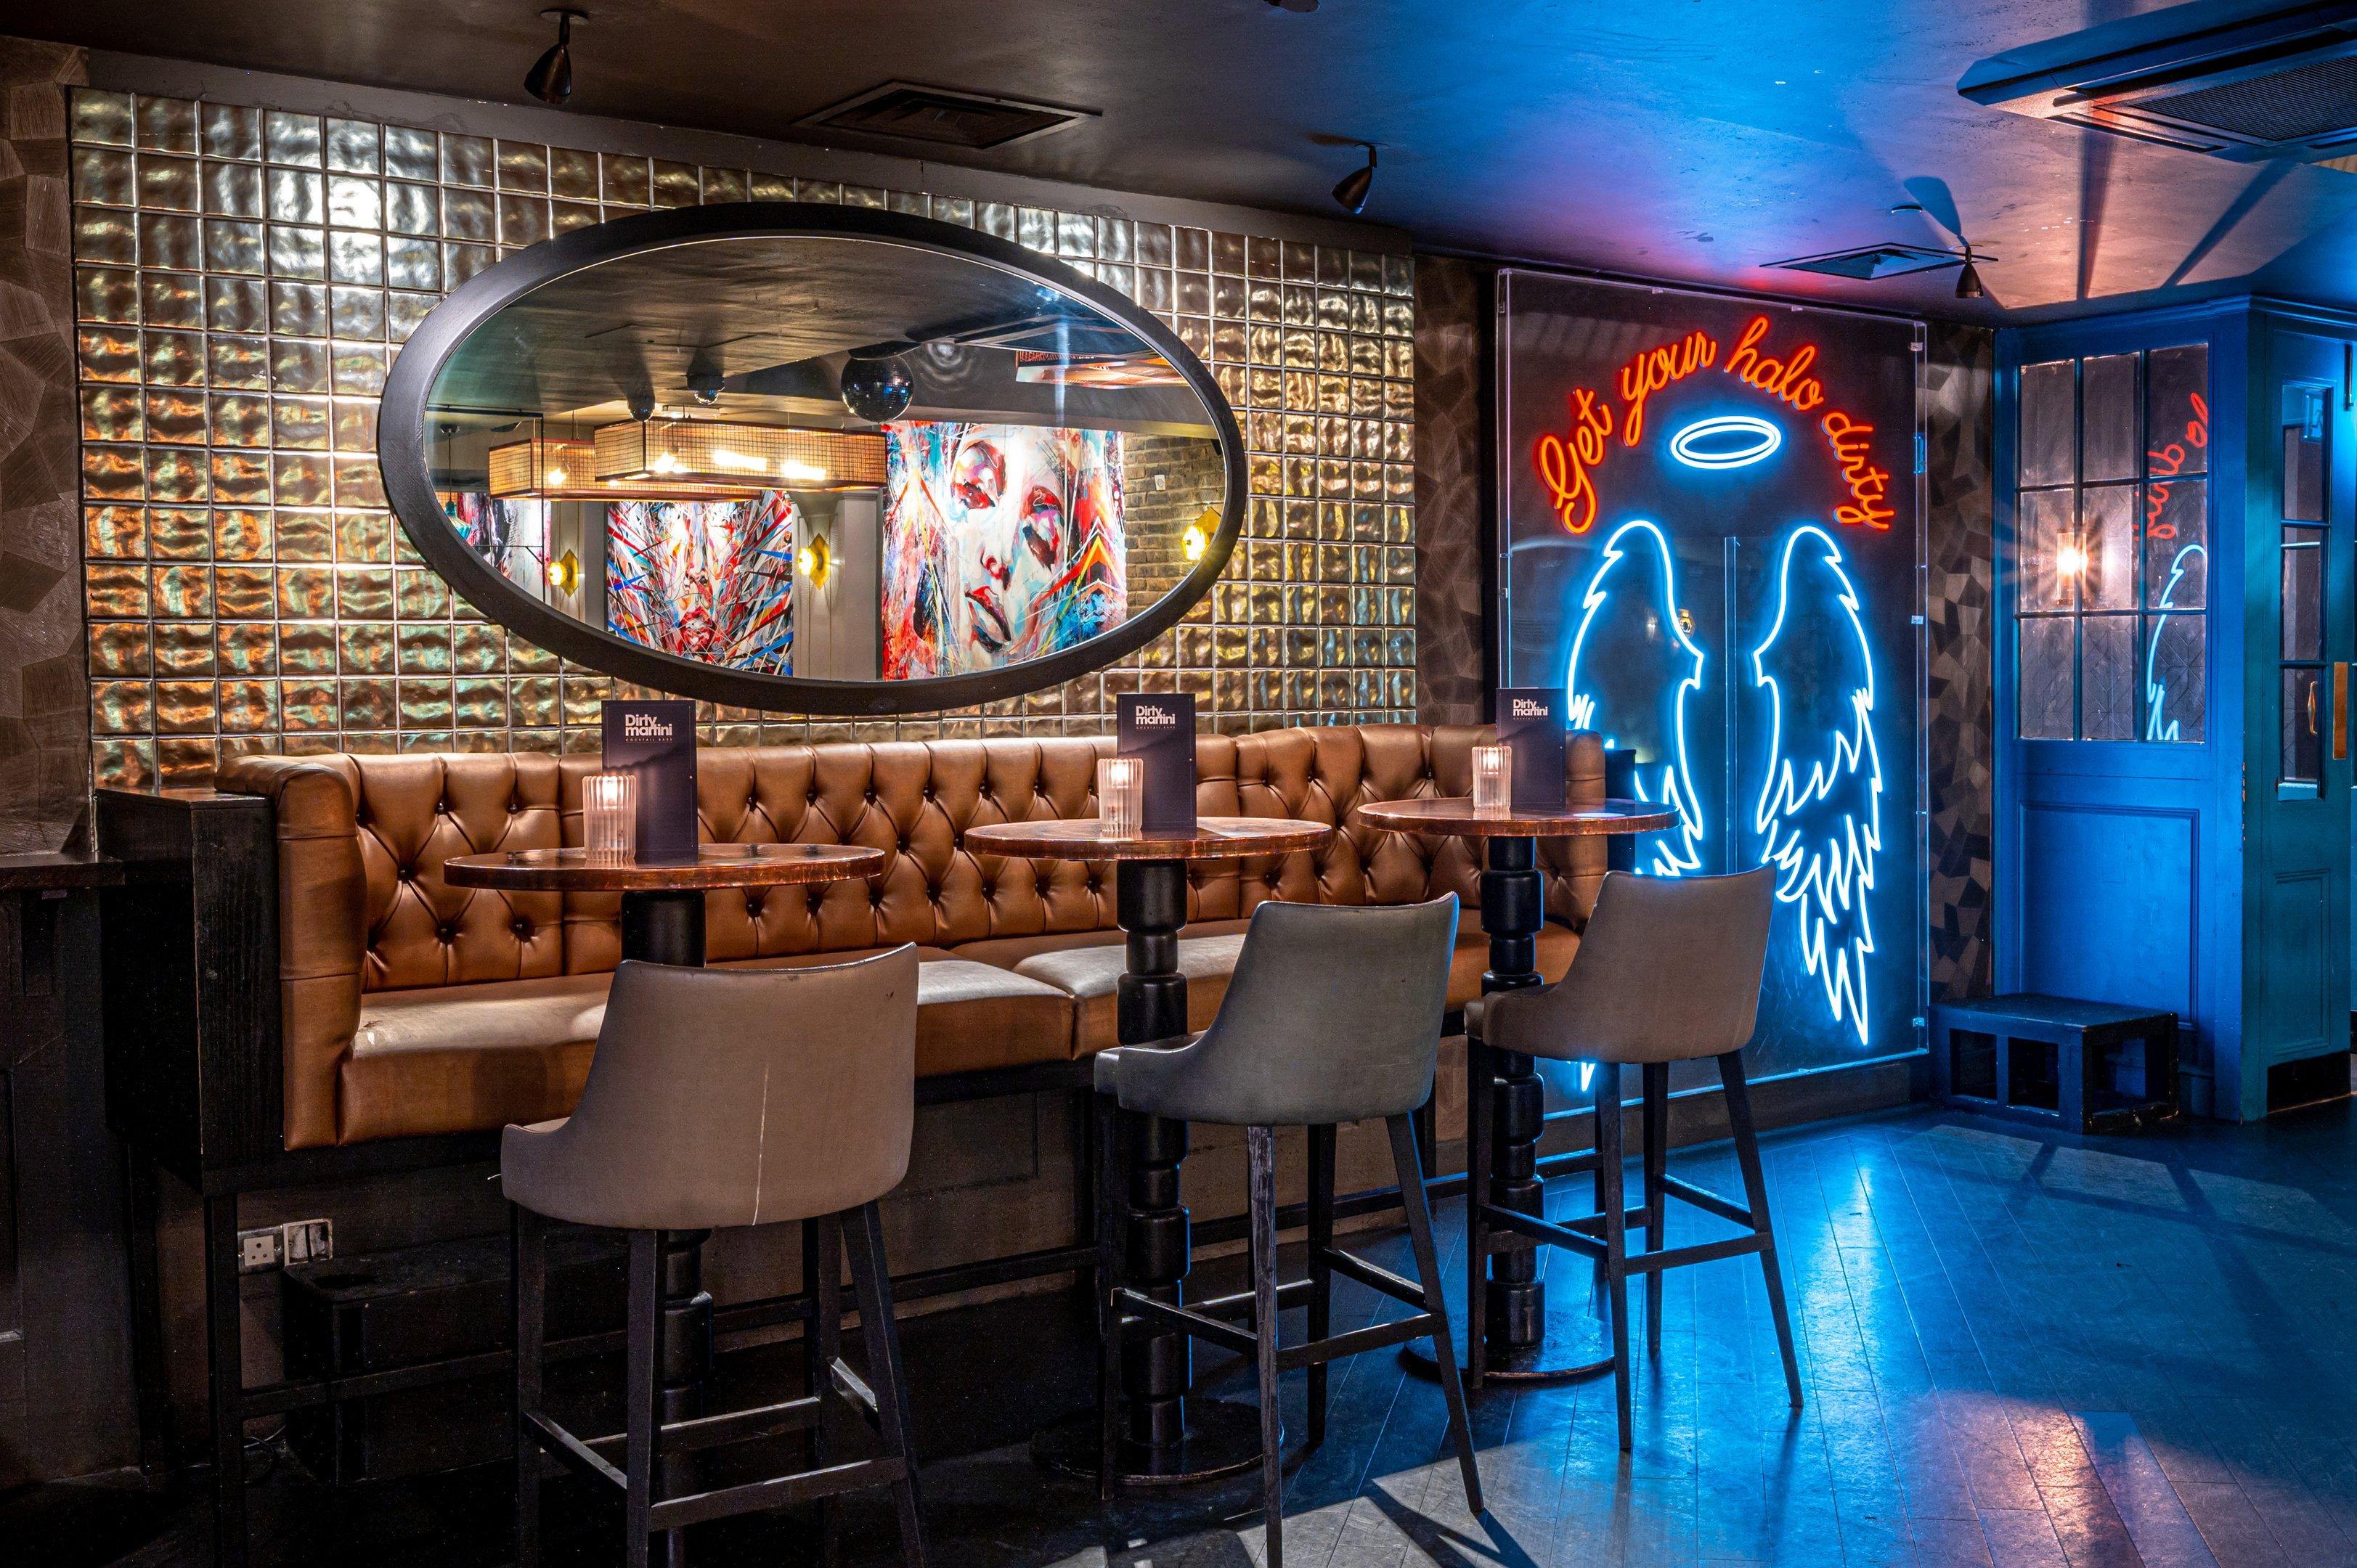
[[1631, 649], [1820, 810], [1727, 441], [2156, 690]]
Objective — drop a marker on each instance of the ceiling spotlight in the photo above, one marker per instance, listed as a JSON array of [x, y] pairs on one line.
[[1350, 190], [1968, 281], [550, 79], [704, 385], [878, 389]]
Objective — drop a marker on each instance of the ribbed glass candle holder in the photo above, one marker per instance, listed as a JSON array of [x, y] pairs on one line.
[[1493, 779], [1121, 795], [609, 816]]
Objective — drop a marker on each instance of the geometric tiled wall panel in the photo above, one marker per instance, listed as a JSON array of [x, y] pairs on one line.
[[1960, 723], [243, 277]]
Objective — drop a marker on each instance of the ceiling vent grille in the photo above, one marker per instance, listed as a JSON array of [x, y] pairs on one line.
[[1874, 261], [2245, 80], [905, 112]]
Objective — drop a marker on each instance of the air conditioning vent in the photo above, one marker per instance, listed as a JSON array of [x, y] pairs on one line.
[[1874, 261], [904, 112], [2245, 80]]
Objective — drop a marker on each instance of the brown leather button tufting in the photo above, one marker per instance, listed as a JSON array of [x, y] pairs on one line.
[[448, 933], [753, 904], [522, 929]]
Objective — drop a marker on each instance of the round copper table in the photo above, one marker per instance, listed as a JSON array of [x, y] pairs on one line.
[[1503, 1090], [663, 922], [1166, 1437]]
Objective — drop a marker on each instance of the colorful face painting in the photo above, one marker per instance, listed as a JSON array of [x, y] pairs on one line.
[[1002, 543], [513, 536], [712, 580]]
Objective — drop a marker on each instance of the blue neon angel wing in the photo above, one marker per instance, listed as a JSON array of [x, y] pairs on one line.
[[1820, 810], [1632, 676]]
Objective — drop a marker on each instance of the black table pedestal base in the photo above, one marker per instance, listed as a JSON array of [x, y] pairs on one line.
[[1168, 1437]]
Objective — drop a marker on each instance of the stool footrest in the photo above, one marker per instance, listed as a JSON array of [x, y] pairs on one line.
[[854, 1388], [1423, 1324], [1375, 1277], [1546, 1230], [1184, 1320], [1709, 1202], [1702, 1252], [779, 1492], [1241, 1304], [577, 1455]]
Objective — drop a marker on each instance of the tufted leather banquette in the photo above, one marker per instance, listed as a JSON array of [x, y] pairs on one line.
[[410, 1006]]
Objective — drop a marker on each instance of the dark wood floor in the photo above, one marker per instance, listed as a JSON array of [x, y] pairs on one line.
[[2020, 1350]]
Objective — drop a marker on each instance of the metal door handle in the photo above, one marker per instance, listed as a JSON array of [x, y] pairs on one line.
[[2311, 707]]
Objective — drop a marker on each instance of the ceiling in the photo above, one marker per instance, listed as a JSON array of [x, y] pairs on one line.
[[1693, 139]]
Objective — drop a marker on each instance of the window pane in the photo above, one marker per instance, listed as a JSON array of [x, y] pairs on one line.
[[2177, 410], [2177, 544], [2107, 539], [2109, 415], [2107, 678], [2049, 423], [2303, 724], [2046, 656], [2303, 593], [2304, 465], [2176, 702], [2049, 569]]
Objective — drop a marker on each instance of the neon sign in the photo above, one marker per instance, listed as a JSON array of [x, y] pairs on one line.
[[1705, 444], [2156, 690], [1566, 463], [1820, 810], [1631, 645]]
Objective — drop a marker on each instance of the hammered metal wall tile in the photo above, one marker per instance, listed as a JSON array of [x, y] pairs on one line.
[[307, 648]]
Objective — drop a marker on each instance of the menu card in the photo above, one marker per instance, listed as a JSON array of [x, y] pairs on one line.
[[1160, 730], [656, 741], [1531, 724]]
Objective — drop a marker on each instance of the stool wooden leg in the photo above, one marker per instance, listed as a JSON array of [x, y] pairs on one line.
[[822, 1343], [1656, 1165], [528, 1281], [1111, 1268], [638, 1394], [864, 1238], [225, 1391], [1427, 1275], [1477, 1192], [1609, 1154], [1321, 1273], [1755, 1198], [1260, 1151]]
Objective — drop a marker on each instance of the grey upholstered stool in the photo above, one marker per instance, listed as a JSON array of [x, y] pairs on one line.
[[727, 1098], [1333, 1015], [1668, 971]]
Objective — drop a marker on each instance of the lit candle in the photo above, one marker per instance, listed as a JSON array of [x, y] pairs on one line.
[[1121, 795], [1493, 779], [609, 816]]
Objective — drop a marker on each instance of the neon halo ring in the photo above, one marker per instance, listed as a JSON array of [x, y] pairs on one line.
[[1687, 446]]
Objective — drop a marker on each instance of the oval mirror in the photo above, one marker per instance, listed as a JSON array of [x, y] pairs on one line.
[[810, 458]]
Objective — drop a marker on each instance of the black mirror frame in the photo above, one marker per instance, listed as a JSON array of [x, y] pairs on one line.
[[407, 469]]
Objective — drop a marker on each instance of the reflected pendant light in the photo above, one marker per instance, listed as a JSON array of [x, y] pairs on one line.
[[749, 457], [550, 79]]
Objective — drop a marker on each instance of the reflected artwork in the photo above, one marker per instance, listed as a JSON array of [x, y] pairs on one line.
[[511, 534], [1002, 543], [705, 580]]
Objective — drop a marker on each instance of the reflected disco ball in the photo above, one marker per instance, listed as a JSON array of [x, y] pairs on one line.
[[877, 390]]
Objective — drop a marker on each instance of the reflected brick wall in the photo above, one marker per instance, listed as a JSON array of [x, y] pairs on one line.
[[44, 738], [245, 274]]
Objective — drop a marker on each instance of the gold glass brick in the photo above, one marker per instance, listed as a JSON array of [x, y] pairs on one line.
[[367, 704], [305, 593], [185, 707], [480, 702], [239, 479], [364, 594], [112, 414], [353, 145], [292, 139], [100, 117], [243, 593], [358, 367], [300, 479], [168, 183], [725, 185], [409, 154], [364, 647], [422, 597], [186, 762], [424, 647], [246, 648], [424, 705], [184, 647], [247, 706], [355, 258], [104, 176], [174, 475], [106, 293], [176, 416], [307, 648], [121, 707], [677, 185], [308, 706]]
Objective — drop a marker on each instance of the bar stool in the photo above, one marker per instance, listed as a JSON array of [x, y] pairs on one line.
[[1668, 971], [1333, 1015], [727, 1098]]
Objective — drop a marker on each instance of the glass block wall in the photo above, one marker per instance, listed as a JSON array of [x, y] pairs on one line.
[[243, 276]]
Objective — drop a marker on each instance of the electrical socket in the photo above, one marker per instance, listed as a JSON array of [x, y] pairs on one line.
[[308, 1240], [258, 1251]]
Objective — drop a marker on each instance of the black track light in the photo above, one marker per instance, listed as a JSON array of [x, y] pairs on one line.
[[1350, 190], [550, 79], [1968, 281]]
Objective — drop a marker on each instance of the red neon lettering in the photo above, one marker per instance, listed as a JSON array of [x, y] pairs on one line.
[[2169, 461], [1868, 484], [1567, 464], [1780, 379], [1655, 369]]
